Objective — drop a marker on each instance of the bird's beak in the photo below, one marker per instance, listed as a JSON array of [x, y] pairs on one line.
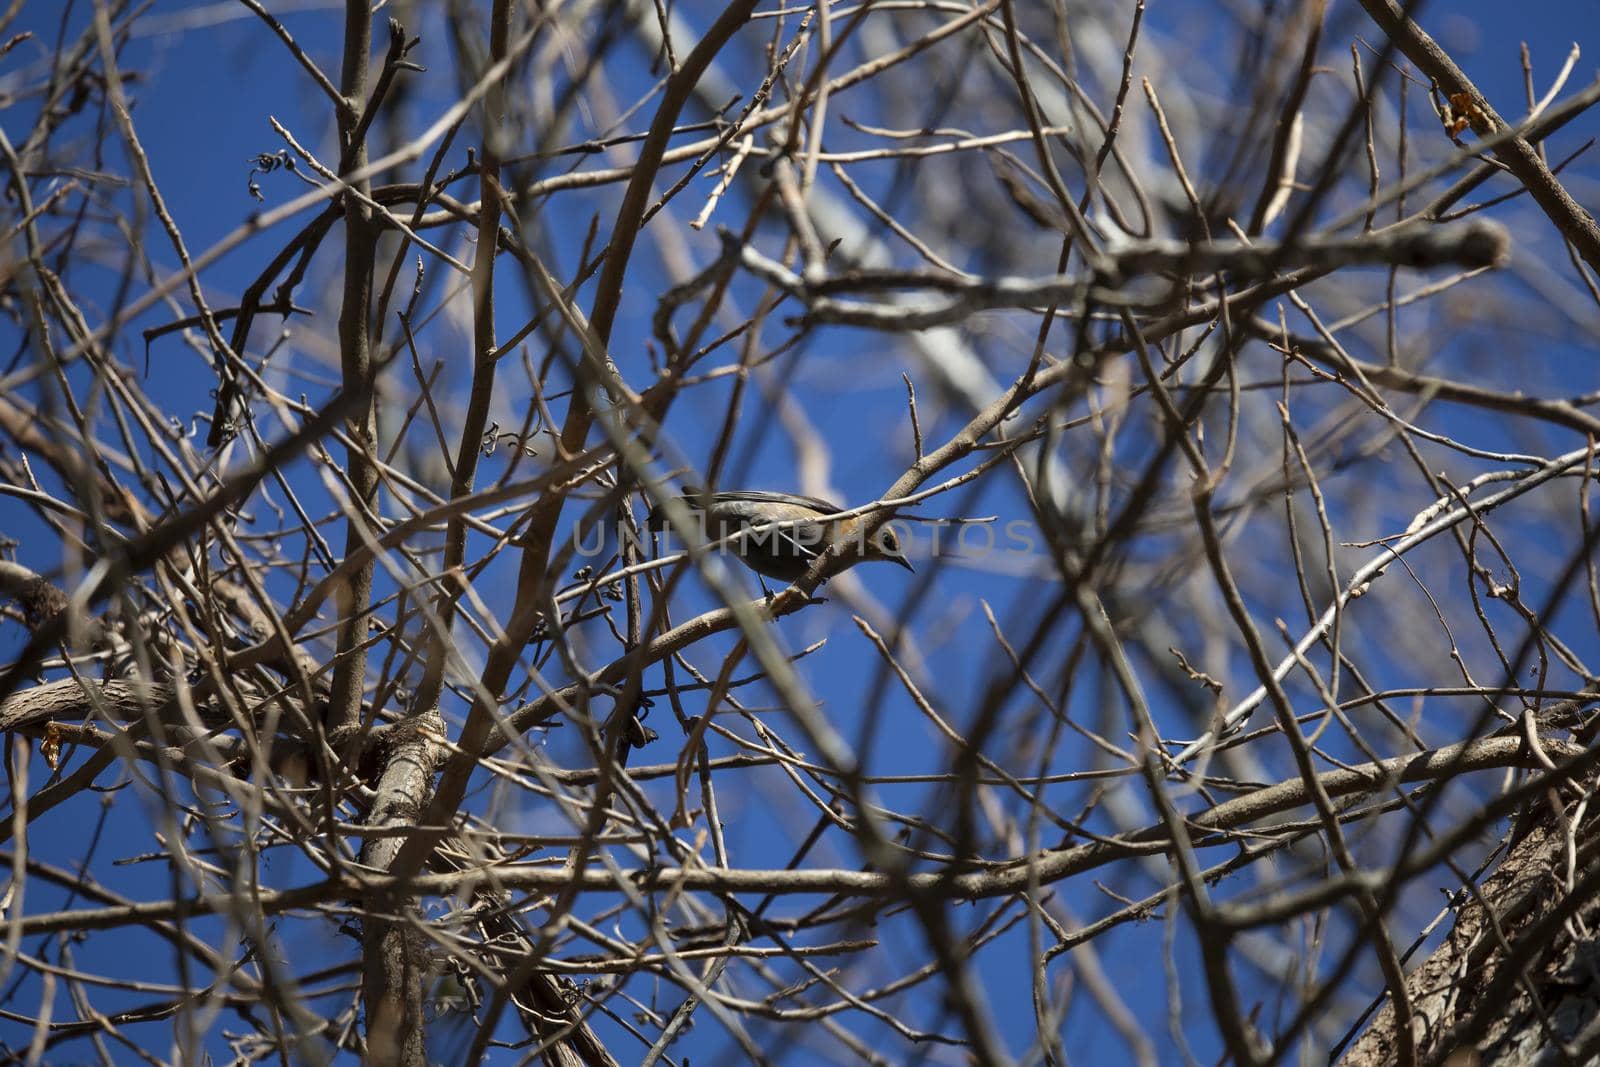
[[906, 563]]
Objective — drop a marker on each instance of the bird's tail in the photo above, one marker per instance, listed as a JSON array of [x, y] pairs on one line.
[[657, 519]]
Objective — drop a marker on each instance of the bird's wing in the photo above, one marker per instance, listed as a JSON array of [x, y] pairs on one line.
[[762, 496], [693, 497]]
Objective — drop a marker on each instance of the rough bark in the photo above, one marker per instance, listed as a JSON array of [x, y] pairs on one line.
[[397, 963], [1518, 976]]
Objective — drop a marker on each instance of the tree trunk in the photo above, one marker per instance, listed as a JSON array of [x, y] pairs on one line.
[[1518, 978]]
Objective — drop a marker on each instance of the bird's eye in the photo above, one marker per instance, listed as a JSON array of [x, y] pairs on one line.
[[889, 541]]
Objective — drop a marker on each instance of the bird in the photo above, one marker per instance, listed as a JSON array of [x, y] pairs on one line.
[[779, 535]]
